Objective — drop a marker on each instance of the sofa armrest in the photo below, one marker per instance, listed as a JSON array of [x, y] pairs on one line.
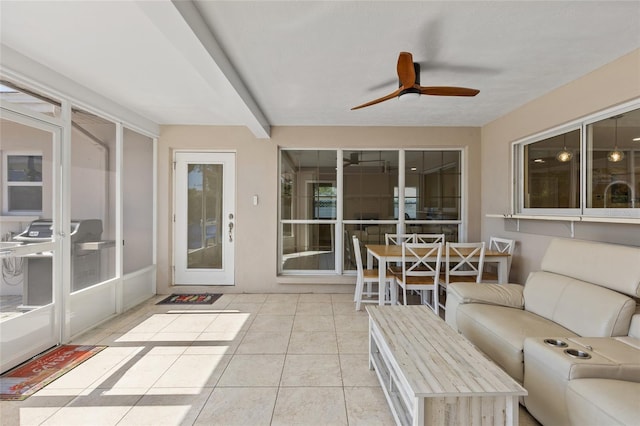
[[509, 295]]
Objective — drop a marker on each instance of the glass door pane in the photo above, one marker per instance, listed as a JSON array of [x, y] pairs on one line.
[[204, 216]]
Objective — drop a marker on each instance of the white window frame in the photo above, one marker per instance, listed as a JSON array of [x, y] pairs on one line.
[[591, 212], [519, 186], [6, 184], [339, 222], [582, 213]]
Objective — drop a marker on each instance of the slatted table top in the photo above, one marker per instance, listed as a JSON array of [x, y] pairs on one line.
[[435, 360]]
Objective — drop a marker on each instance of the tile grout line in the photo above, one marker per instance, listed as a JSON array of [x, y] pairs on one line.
[[284, 362], [344, 395]]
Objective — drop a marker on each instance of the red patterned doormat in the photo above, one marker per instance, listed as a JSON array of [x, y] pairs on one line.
[[190, 299], [30, 377]]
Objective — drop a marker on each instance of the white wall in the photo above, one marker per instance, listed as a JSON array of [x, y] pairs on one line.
[[613, 84], [256, 168]]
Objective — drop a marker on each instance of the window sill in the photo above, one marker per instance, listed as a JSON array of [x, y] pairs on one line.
[[571, 219], [316, 279]]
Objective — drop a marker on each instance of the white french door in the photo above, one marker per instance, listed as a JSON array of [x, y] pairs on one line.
[[204, 218]]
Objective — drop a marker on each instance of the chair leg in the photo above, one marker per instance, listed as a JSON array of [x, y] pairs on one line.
[[358, 293], [436, 300], [382, 291]]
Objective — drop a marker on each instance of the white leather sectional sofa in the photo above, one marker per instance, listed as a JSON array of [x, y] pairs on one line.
[[570, 335]]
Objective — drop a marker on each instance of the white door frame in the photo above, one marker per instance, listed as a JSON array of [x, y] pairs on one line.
[[32, 332], [182, 275]]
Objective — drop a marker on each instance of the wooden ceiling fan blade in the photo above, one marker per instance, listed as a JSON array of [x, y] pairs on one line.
[[447, 91], [406, 70], [377, 101]]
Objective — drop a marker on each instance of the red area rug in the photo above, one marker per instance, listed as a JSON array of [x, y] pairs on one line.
[[190, 299], [26, 379]]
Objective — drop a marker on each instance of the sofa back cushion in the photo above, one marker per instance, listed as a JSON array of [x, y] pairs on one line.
[[608, 265], [582, 307]]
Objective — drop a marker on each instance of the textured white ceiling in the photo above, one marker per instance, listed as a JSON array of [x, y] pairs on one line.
[[307, 63]]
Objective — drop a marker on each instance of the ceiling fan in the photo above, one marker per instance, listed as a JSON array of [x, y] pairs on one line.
[[355, 159], [409, 77]]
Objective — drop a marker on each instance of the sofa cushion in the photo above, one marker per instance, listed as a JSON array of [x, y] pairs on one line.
[[607, 265], [586, 309], [500, 332], [603, 402]]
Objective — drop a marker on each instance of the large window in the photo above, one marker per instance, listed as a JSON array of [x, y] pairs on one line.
[[435, 176], [552, 172], [328, 196], [23, 183], [613, 153], [590, 169], [308, 210], [370, 178]]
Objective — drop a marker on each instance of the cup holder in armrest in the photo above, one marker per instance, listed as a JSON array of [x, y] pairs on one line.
[[556, 342], [574, 353]]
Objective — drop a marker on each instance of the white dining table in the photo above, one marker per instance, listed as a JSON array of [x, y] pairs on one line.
[[386, 254]]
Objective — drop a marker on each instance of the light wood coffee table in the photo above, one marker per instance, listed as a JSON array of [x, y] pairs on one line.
[[431, 375]]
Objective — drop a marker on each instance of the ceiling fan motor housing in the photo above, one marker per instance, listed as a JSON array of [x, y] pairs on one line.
[[416, 68]]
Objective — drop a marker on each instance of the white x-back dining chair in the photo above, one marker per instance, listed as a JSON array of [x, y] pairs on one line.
[[421, 270], [464, 262], [429, 238], [369, 277], [502, 245], [398, 239]]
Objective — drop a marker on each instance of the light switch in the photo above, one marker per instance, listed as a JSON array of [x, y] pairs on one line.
[[255, 200]]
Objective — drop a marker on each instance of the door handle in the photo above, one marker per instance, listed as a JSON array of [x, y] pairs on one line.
[[230, 232]]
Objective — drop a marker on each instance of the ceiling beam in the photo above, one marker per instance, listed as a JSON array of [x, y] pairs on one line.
[[184, 27]]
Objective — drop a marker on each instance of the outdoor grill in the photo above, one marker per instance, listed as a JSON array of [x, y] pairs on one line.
[[85, 258]]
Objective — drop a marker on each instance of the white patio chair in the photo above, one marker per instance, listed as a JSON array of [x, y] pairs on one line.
[[502, 245], [421, 270], [370, 277], [430, 238], [398, 239], [460, 265]]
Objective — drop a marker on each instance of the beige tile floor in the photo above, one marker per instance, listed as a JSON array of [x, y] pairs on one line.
[[248, 359]]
